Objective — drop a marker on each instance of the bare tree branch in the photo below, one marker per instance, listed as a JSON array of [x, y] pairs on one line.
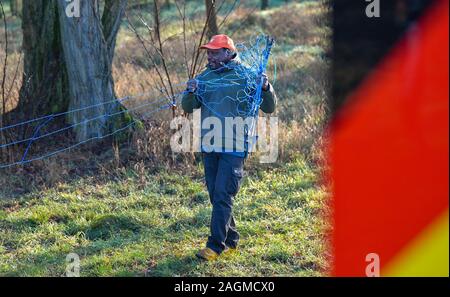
[[161, 50], [183, 19], [162, 86], [4, 65], [111, 19]]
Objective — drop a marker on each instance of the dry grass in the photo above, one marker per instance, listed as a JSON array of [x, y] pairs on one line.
[[13, 78]]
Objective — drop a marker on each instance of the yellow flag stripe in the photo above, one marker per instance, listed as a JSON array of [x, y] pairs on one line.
[[426, 255]]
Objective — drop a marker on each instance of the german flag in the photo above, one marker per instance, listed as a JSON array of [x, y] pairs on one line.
[[389, 143]]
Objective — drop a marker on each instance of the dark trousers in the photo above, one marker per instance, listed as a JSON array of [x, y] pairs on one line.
[[223, 174]]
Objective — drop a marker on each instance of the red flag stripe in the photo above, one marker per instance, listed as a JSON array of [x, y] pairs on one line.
[[389, 149]]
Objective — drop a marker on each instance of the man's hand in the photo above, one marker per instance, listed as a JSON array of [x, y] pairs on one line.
[[265, 82], [192, 85]]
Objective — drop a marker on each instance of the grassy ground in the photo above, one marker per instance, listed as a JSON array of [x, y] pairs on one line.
[[153, 225]]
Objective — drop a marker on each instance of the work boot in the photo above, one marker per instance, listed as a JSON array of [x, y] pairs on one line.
[[207, 254]]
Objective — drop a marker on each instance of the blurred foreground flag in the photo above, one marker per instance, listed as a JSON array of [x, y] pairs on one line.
[[389, 155]]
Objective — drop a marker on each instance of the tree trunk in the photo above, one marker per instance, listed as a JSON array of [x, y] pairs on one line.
[[88, 54], [264, 4], [67, 64], [211, 17], [156, 18], [45, 84], [112, 16]]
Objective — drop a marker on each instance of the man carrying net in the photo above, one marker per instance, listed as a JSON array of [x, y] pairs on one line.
[[224, 91]]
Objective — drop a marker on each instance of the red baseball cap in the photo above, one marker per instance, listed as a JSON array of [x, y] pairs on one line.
[[218, 42]]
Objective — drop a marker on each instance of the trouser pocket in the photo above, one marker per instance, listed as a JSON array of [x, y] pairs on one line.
[[234, 183]]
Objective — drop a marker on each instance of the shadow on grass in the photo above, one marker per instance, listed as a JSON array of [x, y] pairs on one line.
[[176, 266], [40, 264]]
